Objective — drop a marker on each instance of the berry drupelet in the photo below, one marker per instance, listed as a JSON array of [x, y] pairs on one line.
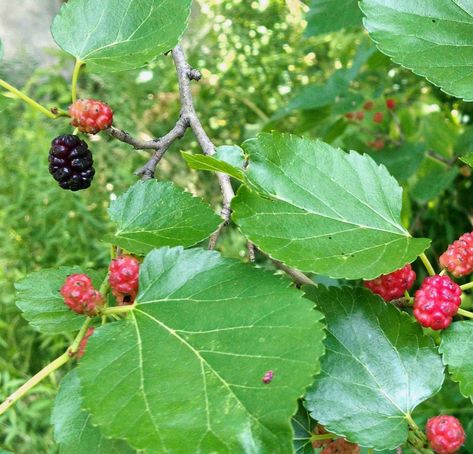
[[71, 162], [445, 434], [393, 285], [80, 295], [458, 258], [436, 302], [90, 115]]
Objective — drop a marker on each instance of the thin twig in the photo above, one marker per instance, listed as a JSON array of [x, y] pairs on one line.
[[297, 276]]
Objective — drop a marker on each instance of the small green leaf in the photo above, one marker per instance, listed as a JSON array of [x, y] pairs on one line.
[[321, 210], [42, 305], [434, 179], [456, 348], [303, 426], [378, 367], [228, 162], [116, 35], [153, 214], [73, 429], [434, 39], [327, 16], [468, 159], [183, 373]]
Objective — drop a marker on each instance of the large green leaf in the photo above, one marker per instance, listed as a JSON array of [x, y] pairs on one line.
[[378, 367], [43, 306], [322, 210], [73, 430], [326, 16], [153, 214], [456, 348], [115, 35], [184, 372], [432, 38]]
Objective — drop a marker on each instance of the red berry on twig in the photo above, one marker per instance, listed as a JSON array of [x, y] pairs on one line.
[[436, 302], [341, 446], [83, 343], [368, 105], [123, 278], [79, 294], [390, 103], [90, 115], [445, 434], [378, 117], [393, 285], [458, 258]]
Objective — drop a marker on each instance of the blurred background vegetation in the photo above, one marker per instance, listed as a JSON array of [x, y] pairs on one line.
[[266, 65]]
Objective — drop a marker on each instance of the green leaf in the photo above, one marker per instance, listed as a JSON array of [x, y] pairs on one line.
[[468, 158], [153, 214], [42, 305], [321, 210], [73, 429], [378, 367], [327, 16], [228, 159], [401, 162], [434, 39], [303, 426], [456, 348], [192, 354], [434, 179], [116, 35]]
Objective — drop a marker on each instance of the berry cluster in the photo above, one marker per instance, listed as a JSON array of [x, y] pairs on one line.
[[458, 258], [71, 163], [70, 160], [80, 295], [392, 286], [123, 279], [436, 302], [445, 434], [90, 116]]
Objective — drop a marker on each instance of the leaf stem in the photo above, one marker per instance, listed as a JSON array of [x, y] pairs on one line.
[[31, 102], [318, 437], [465, 313], [117, 309], [467, 286], [75, 78], [47, 370], [427, 264]]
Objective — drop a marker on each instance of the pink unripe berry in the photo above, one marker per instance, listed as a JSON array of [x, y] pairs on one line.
[[445, 434]]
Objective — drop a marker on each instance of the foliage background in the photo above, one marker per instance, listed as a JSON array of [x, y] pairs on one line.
[[261, 71]]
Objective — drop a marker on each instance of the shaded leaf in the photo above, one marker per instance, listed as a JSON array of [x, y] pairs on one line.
[[378, 367], [303, 426], [326, 16], [42, 305], [456, 348], [433, 180], [73, 429], [153, 214], [319, 209], [193, 352], [433, 39], [115, 35]]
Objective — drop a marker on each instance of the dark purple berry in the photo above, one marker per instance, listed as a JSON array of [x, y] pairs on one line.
[[71, 162]]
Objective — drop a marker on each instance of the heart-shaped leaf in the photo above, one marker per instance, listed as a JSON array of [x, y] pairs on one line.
[[43, 306], [326, 16], [73, 430], [378, 367], [153, 214], [319, 209], [456, 348], [193, 353], [432, 38], [115, 35]]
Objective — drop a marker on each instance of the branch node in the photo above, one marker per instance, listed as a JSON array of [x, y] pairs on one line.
[[194, 74]]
